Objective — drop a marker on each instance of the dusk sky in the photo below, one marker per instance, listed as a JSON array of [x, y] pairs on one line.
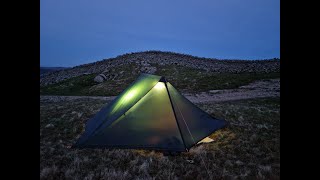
[[74, 32]]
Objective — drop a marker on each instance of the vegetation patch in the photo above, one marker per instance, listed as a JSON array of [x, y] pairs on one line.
[[186, 79], [249, 148], [194, 80]]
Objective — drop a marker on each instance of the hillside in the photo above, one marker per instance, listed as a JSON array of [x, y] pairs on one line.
[[44, 70], [187, 73], [244, 93]]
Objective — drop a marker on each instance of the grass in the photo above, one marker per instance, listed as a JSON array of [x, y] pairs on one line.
[[194, 80], [248, 149], [184, 78], [74, 86], [85, 86]]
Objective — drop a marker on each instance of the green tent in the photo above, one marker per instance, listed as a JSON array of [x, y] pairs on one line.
[[149, 114]]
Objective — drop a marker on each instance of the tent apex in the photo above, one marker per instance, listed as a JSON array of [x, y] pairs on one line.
[[162, 79]]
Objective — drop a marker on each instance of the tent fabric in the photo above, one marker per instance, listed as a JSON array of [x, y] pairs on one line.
[[121, 104], [149, 114], [195, 124]]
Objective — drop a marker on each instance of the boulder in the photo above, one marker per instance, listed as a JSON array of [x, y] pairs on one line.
[[49, 126], [98, 79]]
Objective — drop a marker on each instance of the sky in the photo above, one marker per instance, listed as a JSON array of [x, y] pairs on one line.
[[75, 32]]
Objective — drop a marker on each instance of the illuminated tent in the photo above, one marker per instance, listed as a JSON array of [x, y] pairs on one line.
[[149, 114]]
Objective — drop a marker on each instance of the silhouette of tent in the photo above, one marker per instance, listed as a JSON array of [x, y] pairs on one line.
[[149, 114]]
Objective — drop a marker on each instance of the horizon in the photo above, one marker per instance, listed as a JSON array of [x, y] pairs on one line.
[[73, 33], [162, 52]]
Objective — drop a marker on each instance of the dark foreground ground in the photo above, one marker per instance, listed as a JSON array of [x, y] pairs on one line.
[[248, 149]]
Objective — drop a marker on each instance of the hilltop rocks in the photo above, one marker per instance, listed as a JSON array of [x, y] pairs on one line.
[[146, 67], [106, 75], [110, 73], [147, 62]]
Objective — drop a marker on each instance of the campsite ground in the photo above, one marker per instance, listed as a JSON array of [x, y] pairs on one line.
[[248, 148]]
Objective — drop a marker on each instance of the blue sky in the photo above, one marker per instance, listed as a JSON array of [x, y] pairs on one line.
[[74, 32]]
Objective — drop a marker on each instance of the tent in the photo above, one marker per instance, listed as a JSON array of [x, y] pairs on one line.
[[149, 114]]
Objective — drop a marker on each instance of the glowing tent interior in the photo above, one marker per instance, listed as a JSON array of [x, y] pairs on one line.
[[149, 114]]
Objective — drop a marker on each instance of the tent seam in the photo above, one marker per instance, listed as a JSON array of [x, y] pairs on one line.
[[175, 116]]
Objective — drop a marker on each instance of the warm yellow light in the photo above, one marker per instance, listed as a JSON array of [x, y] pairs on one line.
[[160, 85], [129, 95]]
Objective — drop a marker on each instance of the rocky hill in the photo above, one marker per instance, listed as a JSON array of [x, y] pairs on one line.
[[244, 93], [151, 61], [44, 70]]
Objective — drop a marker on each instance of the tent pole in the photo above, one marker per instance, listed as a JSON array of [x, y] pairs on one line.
[[174, 112]]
